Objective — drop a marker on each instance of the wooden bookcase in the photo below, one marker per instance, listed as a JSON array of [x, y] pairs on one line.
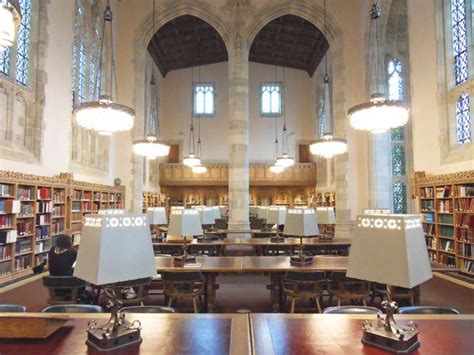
[[153, 199], [446, 205], [323, 199], [45, 210]]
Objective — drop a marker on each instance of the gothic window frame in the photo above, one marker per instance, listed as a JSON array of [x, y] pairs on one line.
[[32, 90], [261, 87], [450, 150], [206, 86]]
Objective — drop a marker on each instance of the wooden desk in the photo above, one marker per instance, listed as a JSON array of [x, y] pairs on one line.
[[162, 334], [341, 334], [216, 247], [262, 246]]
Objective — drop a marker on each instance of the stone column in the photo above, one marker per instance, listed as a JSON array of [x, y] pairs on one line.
[[238, 132]]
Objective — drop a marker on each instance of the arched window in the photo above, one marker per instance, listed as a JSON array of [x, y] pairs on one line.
[[88, 148], [463, 119], [398, 140]]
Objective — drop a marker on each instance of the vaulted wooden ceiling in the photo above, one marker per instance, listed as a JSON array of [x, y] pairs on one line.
[[188, 41]]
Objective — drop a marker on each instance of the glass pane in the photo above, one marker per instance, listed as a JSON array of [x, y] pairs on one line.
[[23, 43], [398, 134], [270, 99], [399, 197], [82, 73], [398, 160], [463, 119], [5, 62], [265, 102], [199, 102], [209, 103], [92, 79], [459, 33]]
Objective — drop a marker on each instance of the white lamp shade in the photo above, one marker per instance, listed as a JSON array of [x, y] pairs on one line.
[[206, 214], [325, 215], [185, 222], [156, 215], [301, 222], [276, 215], [111, 211], [115, 248], [216, 212], [389, 249], [376, 211], [253, 210], [177, 208], [262, 212], [223, 210]]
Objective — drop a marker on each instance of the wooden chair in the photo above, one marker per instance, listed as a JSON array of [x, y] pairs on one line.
[[352, 310], [183, 285], [147, 309], [256, 223], [221, 223], [346, 288], [73, 308], [13, 308], [63, 289], [398, 293], [139, 286], [303, 285], [427, 310]]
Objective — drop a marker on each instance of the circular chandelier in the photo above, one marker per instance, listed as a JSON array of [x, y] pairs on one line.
[[379, 114], [105, 116], [10, 19], [285, 161], [191, 160], [328, 146], [150, 148], [199, 169], [277, 169]]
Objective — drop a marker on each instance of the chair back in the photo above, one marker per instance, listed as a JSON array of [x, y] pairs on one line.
[[192, 276], [427, 310], [298, 276], [63, 289], [147, 309], [221, 223], [352, 310], [138, 286], [14, 308], [256, 223], [73, 308]]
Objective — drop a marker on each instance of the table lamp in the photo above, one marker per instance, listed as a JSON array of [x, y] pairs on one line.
[[276, 215], [326, 221], [156, 217], [206, 214], [301, 222], [253, 210], [389, 249], [111, 211], [217, 212], [114, 248], [184, 224], [223, 210], [376, 211], [262, 212]]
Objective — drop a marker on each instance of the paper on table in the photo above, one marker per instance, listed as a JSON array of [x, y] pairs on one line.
[[192, 265]]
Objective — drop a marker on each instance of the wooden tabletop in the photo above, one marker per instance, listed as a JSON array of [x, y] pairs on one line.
[[207, 264], [208, 242], [207, 334], [341, 334], [296, 241]]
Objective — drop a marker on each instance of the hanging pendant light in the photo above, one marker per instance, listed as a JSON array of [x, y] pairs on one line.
[[105, 116], [327, 146], [191, 159], [276, 169], [10, 19], [150, 147], [379, 114], [285, 160], [199, 169]]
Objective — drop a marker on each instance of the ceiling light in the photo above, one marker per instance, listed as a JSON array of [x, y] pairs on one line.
[[328, 146], [10, 19], [199, 169]]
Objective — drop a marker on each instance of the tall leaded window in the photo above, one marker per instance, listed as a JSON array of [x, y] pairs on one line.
[[270, 99], [398, 143], [23, 43], [463, 119], [82, 73], [459, 33], [5, 62], [203, 100]]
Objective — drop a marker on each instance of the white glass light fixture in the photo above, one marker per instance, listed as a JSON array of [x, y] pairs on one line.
[[199, 169], [276, 169], [105, 116], [10, 19], [379, 114], [191, 159], [328, 146], [149, 147], [284, 160]]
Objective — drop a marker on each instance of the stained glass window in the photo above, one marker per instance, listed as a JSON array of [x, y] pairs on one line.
[[459, 32], [270, 99], [23, 43], [5, 62], [399, 197], [203, 100], [398, 134], [463, 119], [82, 73], [398, 160], [92, 78], [395, 80]]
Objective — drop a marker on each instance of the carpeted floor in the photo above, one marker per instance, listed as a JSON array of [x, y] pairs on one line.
[[248, 291]]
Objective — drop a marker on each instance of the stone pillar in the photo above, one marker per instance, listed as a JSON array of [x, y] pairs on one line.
[[238, 132]]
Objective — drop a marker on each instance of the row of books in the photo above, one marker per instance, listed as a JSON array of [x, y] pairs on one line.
[[6, 221], [59, 211], [445, 206], [427, 205], [5, 269], [465, 220], [447, 245], [6, 190], [466, 250], [57, 226], [465, 204], [44, 207], [465, 191], [428, 217], [444, 191], [59, 196], [40, 258], [5, 252], [76, 206], [23, 227], [448, 260], [26, 193], [465, 235], [426, 192], [43, 193], [432, 255], [76, 227], [446, 231], [429, 229], [468, 266], [42, 245], [42, 232], [431, 243], [22, 263], [26, 209], [22, 246], [42, 219]]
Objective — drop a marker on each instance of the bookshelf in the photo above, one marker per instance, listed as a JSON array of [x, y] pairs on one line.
[[34, 210], [323, 199], [446, 204], [153, 199]]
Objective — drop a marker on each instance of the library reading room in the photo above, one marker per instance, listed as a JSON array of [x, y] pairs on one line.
[[212, 177]]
